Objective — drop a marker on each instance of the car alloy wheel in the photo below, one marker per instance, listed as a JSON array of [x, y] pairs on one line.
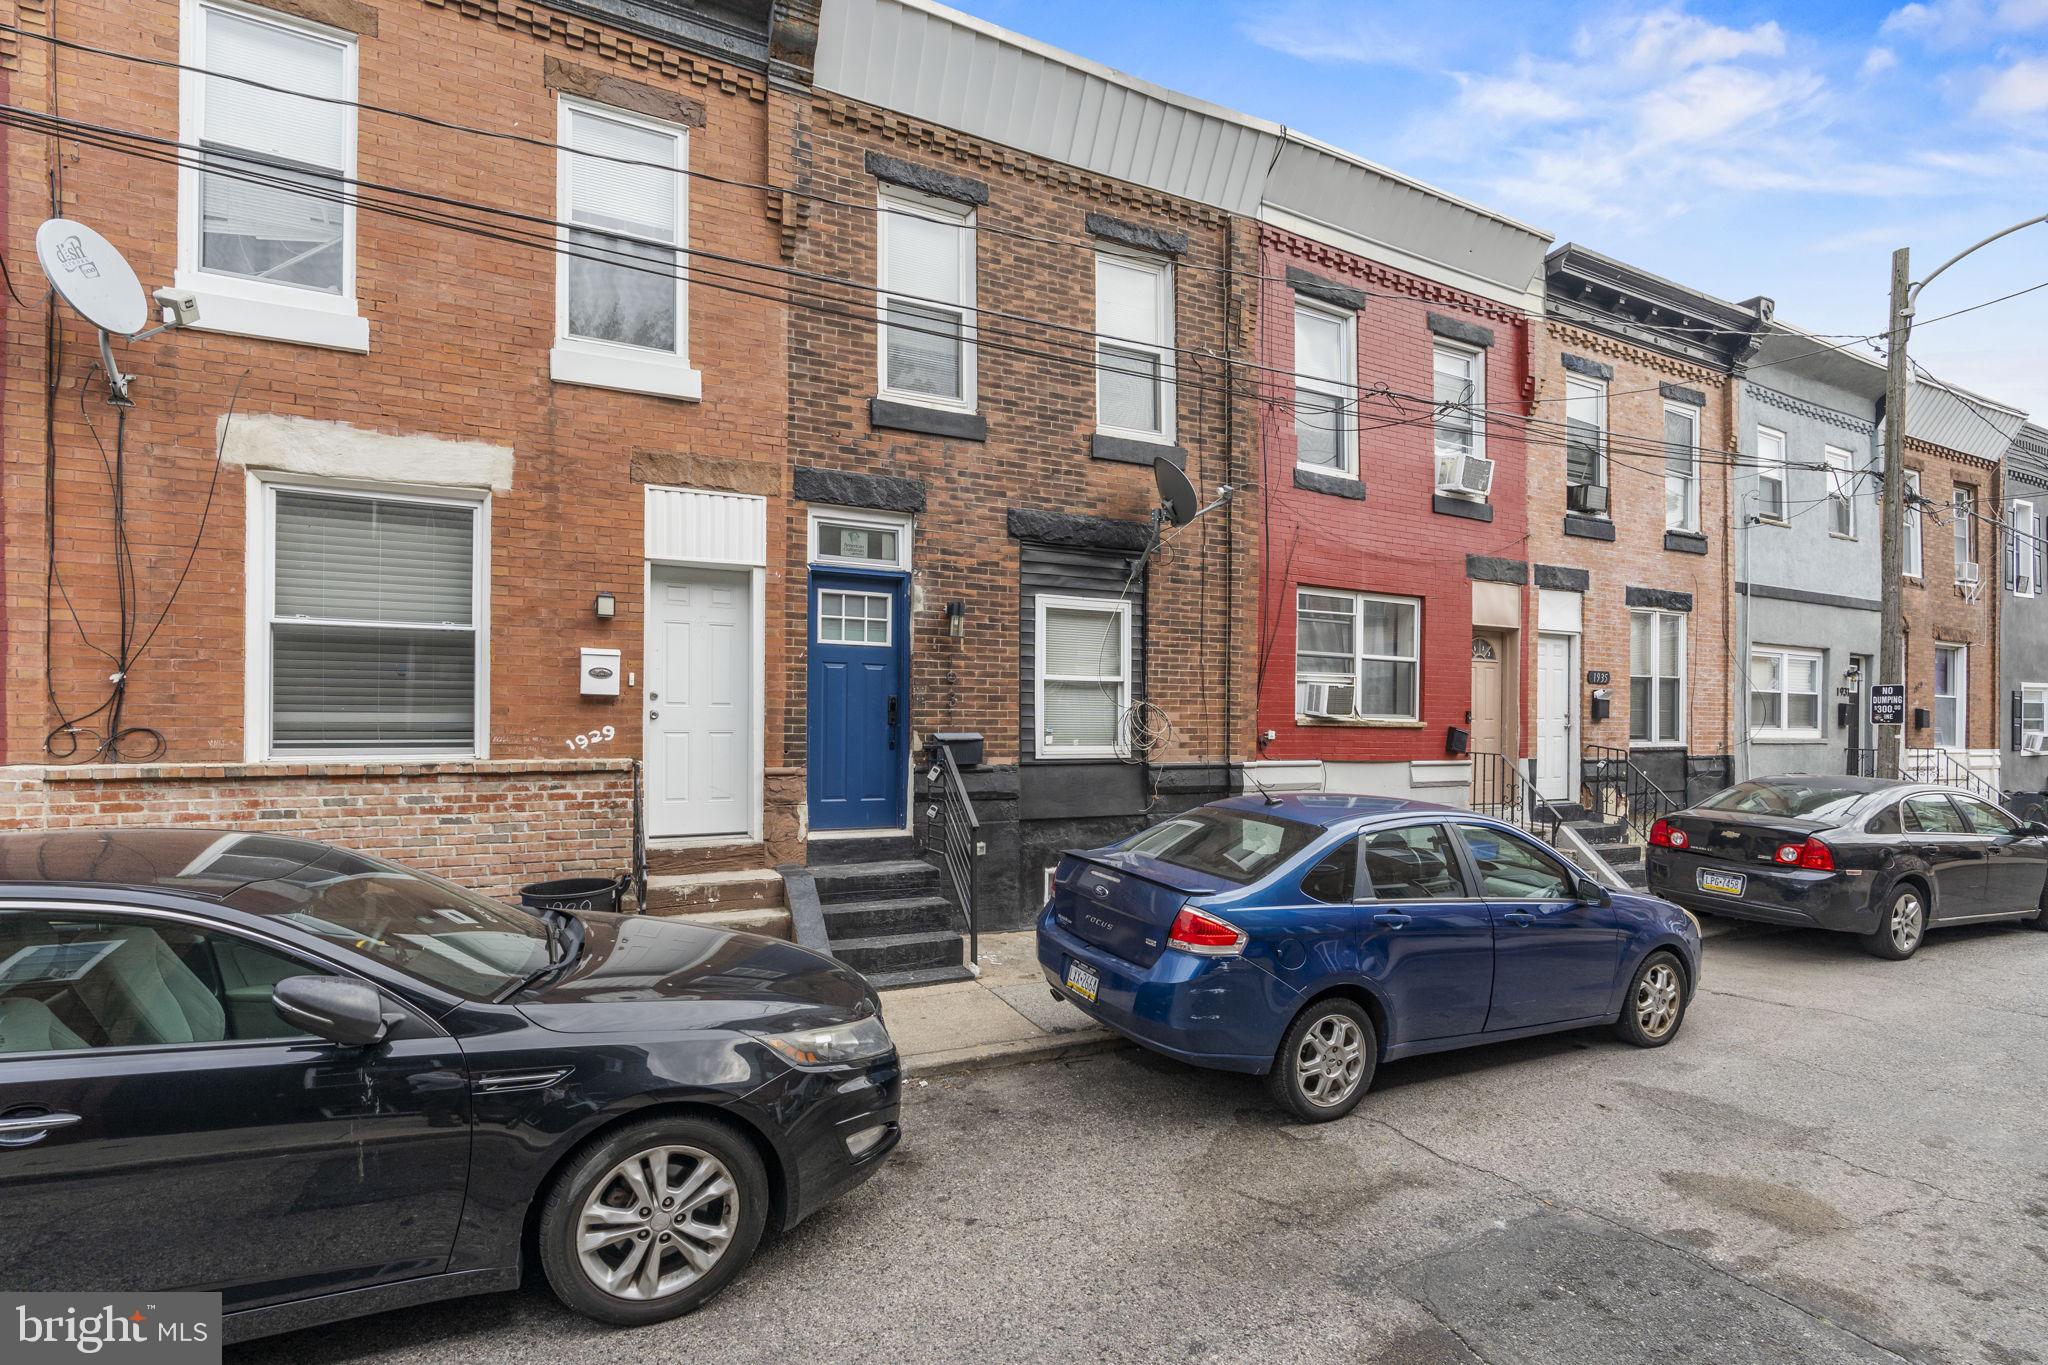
[[1657, 997], [1330, 1061], [1908, 920], [657, 1222]]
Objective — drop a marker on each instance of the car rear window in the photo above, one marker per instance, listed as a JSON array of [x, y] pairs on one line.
[[1807, 798], [1232, 845]]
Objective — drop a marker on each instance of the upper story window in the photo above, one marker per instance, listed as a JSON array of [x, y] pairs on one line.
[[1841, 472], [1325, 380], [1784, 693], [264, 234], [1134, 325], [1681, 468], [622, 316], [1356, 655], [1771, 474], [1460, 394], [2023, 550], [2033, 715], [1963, 507], [372, 624], [925, 263], [1656, 682], [1911, 557], [1585, 432]]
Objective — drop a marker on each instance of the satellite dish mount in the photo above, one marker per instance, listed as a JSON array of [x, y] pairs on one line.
[[1178, 501], [89, 272]]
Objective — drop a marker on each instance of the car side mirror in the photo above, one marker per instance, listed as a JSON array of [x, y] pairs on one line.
[[341, 1011], [1592, 893], [2034, 828]]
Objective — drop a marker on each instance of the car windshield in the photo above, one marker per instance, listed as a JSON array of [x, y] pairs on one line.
[[419, 924], [1233, 845], [1804, 798]]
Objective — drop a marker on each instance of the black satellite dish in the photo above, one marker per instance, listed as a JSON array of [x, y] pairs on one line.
[[1176, 494]]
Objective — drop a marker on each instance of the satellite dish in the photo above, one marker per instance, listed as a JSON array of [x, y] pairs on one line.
[[90, 273], [1176, 494]]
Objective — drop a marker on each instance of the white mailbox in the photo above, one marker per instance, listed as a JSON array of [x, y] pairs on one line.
[[600, 673]]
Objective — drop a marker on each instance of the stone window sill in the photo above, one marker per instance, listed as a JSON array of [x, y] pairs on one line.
[[1358, 723], [893, 415], [271, 313], [628, 369]]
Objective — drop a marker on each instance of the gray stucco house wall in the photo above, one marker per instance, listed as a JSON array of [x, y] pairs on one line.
[[2023, 621], [1802, 589]]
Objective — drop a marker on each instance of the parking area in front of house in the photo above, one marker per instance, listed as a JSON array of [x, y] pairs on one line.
[[1816, 1170]]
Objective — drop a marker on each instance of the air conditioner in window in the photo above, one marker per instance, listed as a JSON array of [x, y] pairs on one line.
[[2034, 744], [1329, 701], [1469, 474], [1587, 497], [1969, 573]]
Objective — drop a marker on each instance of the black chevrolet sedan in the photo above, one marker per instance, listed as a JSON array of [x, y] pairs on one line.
[[323, 1085], [1886, 861]]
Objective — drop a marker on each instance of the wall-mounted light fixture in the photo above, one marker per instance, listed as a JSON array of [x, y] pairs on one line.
[[607, 606], [956, 619]]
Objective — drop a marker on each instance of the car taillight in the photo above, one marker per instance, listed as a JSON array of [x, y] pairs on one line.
[[1666, 835], [1195, 932], [1788, 854], [1810, 854]]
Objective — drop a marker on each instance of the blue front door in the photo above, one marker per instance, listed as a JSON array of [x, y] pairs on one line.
[[859, 702]]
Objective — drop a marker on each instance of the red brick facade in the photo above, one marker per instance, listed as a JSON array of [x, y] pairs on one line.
[[1938, 611]]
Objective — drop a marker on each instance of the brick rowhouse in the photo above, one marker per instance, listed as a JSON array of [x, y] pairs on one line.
[[1942, 613], [450, 394]]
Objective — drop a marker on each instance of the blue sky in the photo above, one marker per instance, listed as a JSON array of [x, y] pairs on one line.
[[1739, 149]]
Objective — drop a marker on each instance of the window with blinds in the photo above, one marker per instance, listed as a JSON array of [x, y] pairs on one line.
[[1681, 469], [272, 160], [926, 263], [1325, 344], [1656, 682], [623, 197], [1460, 393], [1585, 431], [373, 625], [1084, 676], [1133, 352]]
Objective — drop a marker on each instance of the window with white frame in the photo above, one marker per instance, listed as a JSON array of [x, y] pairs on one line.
[[1325, 375], [854, 618], [863, 539], [2022, 549], [1681, 468], [1963, 509], [1841, 474], [1656, 683], [1911, 556], [373, 612], [2033, 715], [1133, 348], [623, 309], [1784, 694], [1356, 655], [1585, 431], [1772, 477], [1460, 393], [1083, 675], [925, 257], [1951, 696], [262, 219]]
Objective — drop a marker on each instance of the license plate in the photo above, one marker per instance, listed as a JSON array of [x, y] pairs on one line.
[[1726, 883], [1082, 979]]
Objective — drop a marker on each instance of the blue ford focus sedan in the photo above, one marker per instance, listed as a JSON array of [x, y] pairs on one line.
[[1310, 938]]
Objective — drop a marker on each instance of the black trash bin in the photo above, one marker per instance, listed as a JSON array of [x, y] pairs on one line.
[[574, 893]]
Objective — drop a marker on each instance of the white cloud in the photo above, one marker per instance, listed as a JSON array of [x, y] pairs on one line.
[[1671, 40], [2018, 90], [1515, 99], [1957, 23], [1307, 30], [1877, 61]]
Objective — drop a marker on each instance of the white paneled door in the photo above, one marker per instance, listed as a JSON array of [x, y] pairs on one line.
[[700, 703], [1557, 699]]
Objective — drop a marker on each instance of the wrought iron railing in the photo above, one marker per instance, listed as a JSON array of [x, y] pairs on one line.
[[1501, 788], [952, 836], [1617, 789], [1937, 767]]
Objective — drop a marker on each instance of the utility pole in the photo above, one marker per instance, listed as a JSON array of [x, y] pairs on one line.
[[1891, 647]]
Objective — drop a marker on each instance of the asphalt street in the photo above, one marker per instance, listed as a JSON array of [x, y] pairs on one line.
[[1840, 1159]]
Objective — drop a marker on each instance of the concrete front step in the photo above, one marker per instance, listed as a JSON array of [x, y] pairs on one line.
[[692, 892], [921, 976], [898, 952], [769, 922], [841, 883], [1599, 831], [891, 915]]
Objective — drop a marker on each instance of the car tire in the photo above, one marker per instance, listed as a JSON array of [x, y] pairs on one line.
[[2039, 919], [697, 1244], [1901, 925], [1654, 1007], [1326, 1063]]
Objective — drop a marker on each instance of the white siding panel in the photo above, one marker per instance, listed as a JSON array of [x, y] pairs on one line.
[[686, 525]]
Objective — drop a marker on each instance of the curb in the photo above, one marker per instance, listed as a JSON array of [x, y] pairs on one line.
[[1051, 1047]]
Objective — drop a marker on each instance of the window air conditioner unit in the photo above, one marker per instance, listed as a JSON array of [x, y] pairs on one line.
[[1587, 497], [1329, 701], [2034, 744], [1469, 474], [1968, 573]]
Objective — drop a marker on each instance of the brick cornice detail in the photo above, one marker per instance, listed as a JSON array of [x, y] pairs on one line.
[[1578, 339], [1919, 446], [1385, 277], [578, 35], [994, 157]]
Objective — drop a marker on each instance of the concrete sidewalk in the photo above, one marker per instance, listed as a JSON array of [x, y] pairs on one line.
[[1005, 1017]]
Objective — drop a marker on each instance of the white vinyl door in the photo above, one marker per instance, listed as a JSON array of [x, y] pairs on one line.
[[1556, 701], [700, 704]]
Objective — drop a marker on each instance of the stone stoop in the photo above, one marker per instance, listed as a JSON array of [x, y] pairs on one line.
[[726, 885], [885, 913], [1612, 840]]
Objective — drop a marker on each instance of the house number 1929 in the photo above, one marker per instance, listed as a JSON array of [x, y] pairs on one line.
[[602, 735]]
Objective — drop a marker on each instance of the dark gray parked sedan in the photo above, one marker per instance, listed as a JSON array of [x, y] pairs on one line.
[[1884, 860]]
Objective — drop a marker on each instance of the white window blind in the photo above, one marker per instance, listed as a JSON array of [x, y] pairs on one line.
[[1356, 655], [251, 225], [1459, 393], [1585, 427], [1784, 693], [1912, 523], [1134, 320], [1084, 682], [1656, 685], [927, 255], [1681, 469], [1841, 491], [1323, 429], [373, 625], [1770, 474], [624, 272]]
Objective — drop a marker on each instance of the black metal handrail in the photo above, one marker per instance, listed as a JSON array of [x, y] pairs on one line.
[[1502, 790], [1610, 776], [952, 833], [1936, 767]]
